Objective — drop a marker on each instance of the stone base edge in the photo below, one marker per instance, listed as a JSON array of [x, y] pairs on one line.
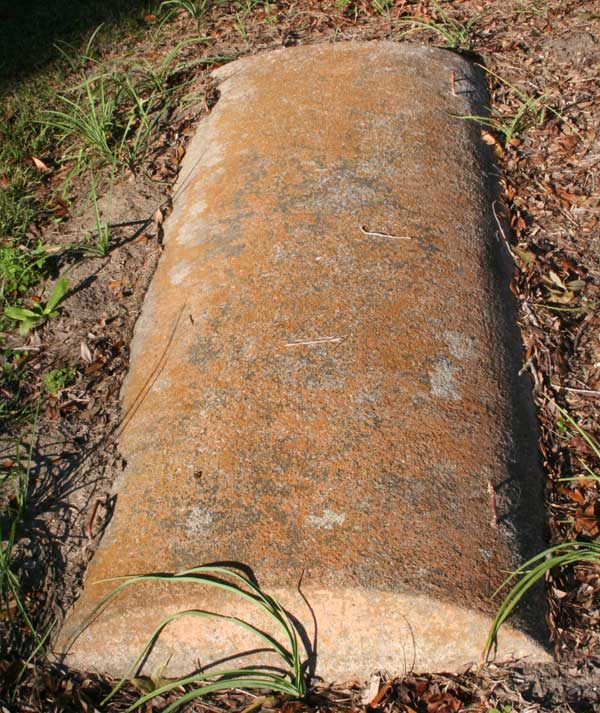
[[357, 632]]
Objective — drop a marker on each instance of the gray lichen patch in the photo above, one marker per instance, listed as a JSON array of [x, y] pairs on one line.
[[198, 522], [443, 380], [179, 272], [461, 346], [327, 520]]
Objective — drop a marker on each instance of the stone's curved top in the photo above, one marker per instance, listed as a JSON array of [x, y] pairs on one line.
[[329, 366]]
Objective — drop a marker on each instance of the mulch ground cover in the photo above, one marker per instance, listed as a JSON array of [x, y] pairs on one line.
[[543, 61]]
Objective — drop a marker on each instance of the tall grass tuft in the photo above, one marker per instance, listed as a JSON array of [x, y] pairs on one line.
[[290, 682], [562, 555], [455, 35]]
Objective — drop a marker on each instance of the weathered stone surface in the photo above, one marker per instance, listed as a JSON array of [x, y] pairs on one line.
[[319, 399]]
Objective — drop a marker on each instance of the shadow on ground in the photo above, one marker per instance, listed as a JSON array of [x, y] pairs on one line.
[[29, 30]]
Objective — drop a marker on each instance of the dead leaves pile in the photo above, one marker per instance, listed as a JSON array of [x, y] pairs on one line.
[[551, 203]]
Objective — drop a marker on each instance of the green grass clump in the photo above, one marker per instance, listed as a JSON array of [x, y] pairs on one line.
[[534, 570], [196, 9], [56, 380], [14, 483], [382, 7], [290, 682], [111, 114], [22, 260], [38, 313], [570, 427], [90, 117], [21, 267], [455, 35], [555, 557], [530, 110]]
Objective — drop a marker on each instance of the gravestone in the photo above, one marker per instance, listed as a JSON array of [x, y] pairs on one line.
[[324, 378]]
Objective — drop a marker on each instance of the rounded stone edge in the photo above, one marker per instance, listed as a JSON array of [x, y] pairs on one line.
[[357, 632]]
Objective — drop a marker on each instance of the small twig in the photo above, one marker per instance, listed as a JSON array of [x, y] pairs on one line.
[[453, 83], [586, 392], [25, 349], [526, 365], [320, 340], [492, 492], [90, 523], [502, 233], [258, 702], [74, 400], [149, 383], [373, 234], [530, 313]]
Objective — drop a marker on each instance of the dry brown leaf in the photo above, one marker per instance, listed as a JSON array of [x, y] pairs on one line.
[[575, 285], [39, 164], [567, 265], [59, 207], [509, 191], [561, 296], [97, 365], [568, 142], [158, 217], [371, 689], [556, 280], [526, 256], [85, 352], [575, 495], [380, 695], [587, 525], [571, 198], [444, 703], [518, 223]]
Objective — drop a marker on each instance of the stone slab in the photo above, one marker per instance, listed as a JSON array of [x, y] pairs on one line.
[[308, 396]]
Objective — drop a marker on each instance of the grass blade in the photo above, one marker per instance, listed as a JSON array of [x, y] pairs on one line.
[[562, 555], [252, 677]]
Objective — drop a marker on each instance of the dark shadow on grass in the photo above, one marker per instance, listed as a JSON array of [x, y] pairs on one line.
[[30, 29]]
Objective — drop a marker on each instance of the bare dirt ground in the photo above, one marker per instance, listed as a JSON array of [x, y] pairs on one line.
[[544, 59]]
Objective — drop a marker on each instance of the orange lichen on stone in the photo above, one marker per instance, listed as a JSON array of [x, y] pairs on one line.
[[330, 401]]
